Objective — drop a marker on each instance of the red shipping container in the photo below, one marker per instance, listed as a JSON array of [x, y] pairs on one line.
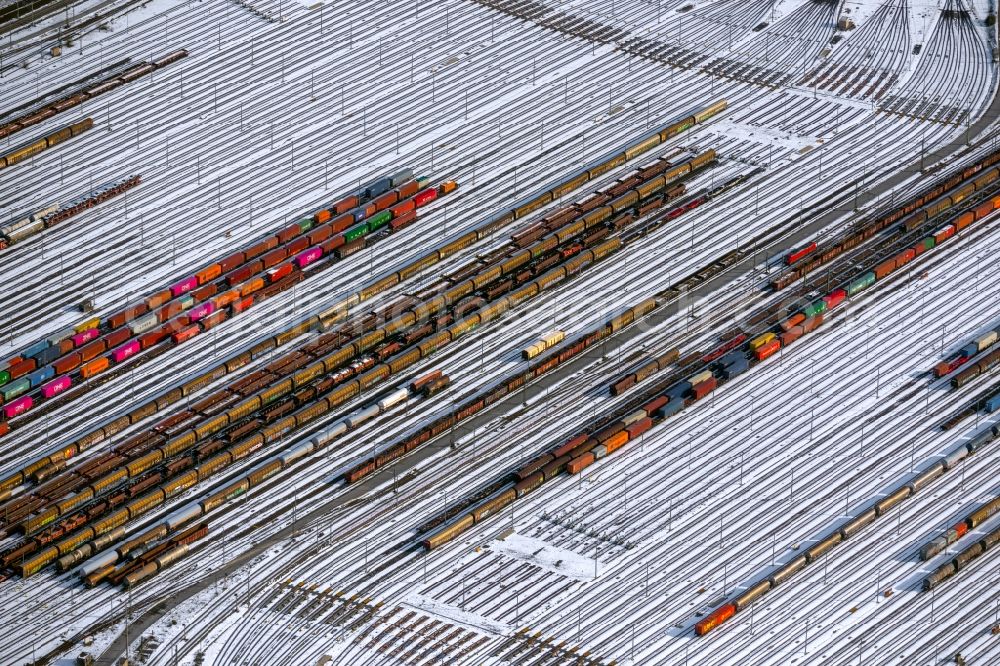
[[21, 368], [424, 197], [67, 363], [234, 260], [320, 234], [332, 244], [117, 337], [715, 619], [403, 207], [701, 389], [639, 427], [834, 298], [654, 404], [186, 334], [274, 257], [767, 350], [278, 272], [905, 257], [297, 245], [568, 446], [243, 304], [944, 233], [404, 220]]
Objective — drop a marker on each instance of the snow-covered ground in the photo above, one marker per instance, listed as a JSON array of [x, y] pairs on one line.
[[269, 119]]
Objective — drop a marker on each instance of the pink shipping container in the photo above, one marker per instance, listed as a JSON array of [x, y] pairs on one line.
[[184, 286], [83, 338], [202, 311], [56, 386], [19, 406], [126, 350], [309, 256]]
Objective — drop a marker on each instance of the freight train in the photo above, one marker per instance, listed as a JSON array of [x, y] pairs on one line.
[[270, 400], [587, 447], [12, 157], [211, 295], [55, 213], [782, 574], [79, 97], [939, 198], [56, 459]]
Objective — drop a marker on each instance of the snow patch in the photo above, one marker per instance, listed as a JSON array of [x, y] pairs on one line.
[[456, 615], [546, 556]]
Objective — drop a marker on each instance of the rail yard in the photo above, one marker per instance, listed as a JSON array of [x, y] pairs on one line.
[[499, 332]]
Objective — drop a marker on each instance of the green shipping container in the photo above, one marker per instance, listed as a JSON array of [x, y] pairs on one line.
[[379, 220], [4, 377], [15, 389], [862, 283], [305, 224], [813, 309], [355, 232], [928, 243]]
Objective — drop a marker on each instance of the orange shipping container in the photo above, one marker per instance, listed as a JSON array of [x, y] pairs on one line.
[[812, 323], [225, 298], [715, 619], [885, 268], [251, 286], [186, 334], [793, 321], [92, 368], [767, 350], [321, 216], [905, 257], [616, 441], [92, 350], [964, 220], [208, 274], [791, 335], [575, 465], [156, 300]]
